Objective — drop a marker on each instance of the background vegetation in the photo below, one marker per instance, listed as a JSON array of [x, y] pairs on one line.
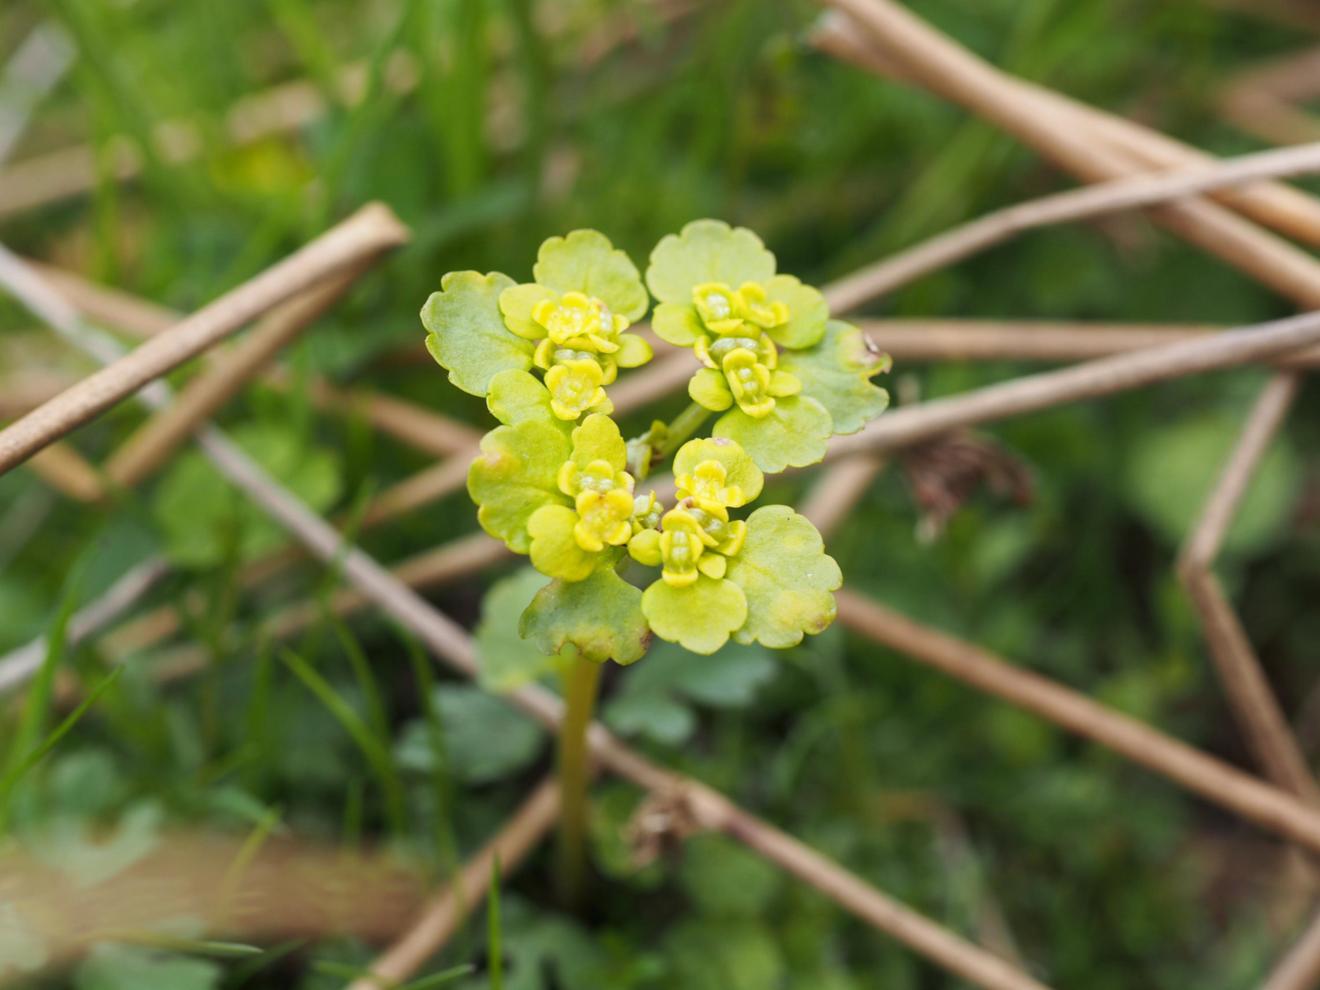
[[1104, 876]]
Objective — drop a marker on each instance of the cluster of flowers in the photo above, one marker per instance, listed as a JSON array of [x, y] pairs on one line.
[[557, 481]]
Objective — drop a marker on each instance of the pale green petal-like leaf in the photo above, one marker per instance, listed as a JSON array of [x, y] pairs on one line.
[[599, 439], [787, 576], [516, 305], [706, 251], [837, 373], [601, 617], [586, 261], [519, 397], [467, 332], [807, 310], [794, 434], [515, 474], [507, 661], [709, 389], [699, 617], [677, 323], [634, 351], [554, 550], [742, 470]]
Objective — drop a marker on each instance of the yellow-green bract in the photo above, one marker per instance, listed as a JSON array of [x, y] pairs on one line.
[[556, 480]]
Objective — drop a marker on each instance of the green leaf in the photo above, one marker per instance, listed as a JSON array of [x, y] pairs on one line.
[[837, 373], [807, 310], [787, 577], [601, 617], [467, 335], [586, 261], [519, 397], [515, 475], [706, 251], [729, 678], [484, 739], [742, 472], [678, 323], [1174, 467], [554, 548], [793, 434], [725, 879], [656, 697], [128, 967], [655, 715], [700, 616], [516, 305], [729, 955], [599, 439], [507, 660], [203, 517]]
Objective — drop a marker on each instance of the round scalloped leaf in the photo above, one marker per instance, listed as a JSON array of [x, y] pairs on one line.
[[742, 471], [519, 397], [787, 577], [601, 616], [599, 439], [793, 434], [677, 323], [838, 374], [586, 261], [467, 335], [699, 617], [706, 251], [516, 305], [514, 475], [555, 550], [808, 312], [507, 662]]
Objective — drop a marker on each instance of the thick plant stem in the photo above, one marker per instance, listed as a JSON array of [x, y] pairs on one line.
[[684, 425], [581, 682]]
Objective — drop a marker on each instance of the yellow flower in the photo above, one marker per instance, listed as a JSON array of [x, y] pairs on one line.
[[603, 517], [749, 381], [726, 311], [576, 387], [647, 512], [679, 547], [717, 532], [706, 483], [598, 476], [580, 322]]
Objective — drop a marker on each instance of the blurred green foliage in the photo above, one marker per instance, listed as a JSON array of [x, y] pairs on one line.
[[1105, 876]]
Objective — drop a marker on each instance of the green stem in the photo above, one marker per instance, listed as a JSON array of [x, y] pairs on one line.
[[581, 681], [684, 425]]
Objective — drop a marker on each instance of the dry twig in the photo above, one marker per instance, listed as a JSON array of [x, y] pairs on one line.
[[1300, 968], [1089, 380], [875, 281], [371, 230], [1212, 779]]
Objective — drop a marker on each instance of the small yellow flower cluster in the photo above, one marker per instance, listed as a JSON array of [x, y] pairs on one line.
[[738, 346], [696, 536], [579, 353], [603, 498]]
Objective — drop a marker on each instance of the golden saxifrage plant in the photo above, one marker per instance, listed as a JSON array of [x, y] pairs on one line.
[[557, 480]]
